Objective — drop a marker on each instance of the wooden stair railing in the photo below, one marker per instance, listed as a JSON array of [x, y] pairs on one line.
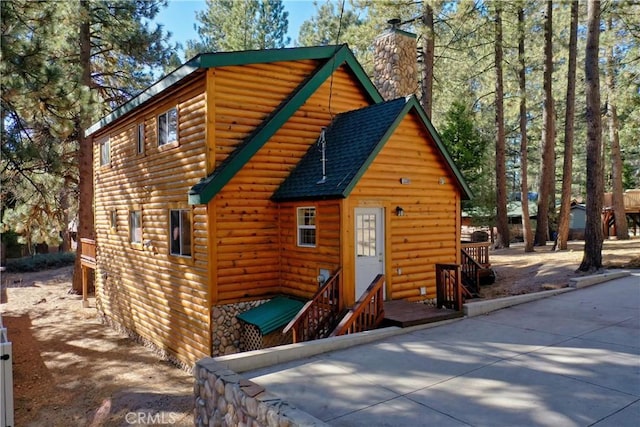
[[449, 289], [367, 313], [320, 315], [470, 272], [478, 251]]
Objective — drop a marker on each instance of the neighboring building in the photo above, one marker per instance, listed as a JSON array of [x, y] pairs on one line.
[[577, 221], [246, 175]]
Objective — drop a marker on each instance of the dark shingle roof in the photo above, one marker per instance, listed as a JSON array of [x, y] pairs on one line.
[[352, 141]]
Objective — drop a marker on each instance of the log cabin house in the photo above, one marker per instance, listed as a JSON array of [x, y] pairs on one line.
[[243, 176]]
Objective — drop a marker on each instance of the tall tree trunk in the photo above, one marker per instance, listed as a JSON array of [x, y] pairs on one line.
[[527, 232], [547, 170], [622, 232], [592, 258], [567, 170], [85, 150], [428, 53], [502, 240]]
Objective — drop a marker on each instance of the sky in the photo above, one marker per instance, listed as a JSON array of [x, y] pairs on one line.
[[179, 16]]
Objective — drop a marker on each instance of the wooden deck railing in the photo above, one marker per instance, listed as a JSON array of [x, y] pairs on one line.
[[470, 272], [88, 251], [367, 313], [479, 252], [448, 287], [320, 315]]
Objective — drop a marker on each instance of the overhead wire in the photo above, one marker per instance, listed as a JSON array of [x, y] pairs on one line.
[[334, 55]]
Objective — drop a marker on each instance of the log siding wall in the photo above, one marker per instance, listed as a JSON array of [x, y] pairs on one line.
[[161, 297], [248, 230], [426, 234]]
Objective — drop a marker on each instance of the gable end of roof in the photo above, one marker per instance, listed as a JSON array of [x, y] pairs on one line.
[[208, 187]]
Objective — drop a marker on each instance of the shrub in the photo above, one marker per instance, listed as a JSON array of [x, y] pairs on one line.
[[40, 262]]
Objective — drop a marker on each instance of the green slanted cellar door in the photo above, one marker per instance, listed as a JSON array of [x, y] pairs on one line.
[[262, 326]]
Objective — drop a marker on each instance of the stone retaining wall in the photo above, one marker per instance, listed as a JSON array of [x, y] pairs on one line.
[[223, 398]]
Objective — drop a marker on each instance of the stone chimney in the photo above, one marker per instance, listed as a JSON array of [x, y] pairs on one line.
[[395, 62]]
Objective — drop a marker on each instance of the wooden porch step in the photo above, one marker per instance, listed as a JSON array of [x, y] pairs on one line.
[[404, 314]]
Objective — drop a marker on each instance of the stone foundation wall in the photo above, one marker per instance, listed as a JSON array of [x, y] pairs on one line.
[[223, 398], [395, 64], [226, 328]]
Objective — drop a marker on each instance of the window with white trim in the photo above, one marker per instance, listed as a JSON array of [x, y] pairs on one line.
[[180, 232], [168, 127], [140, 139], [105, 151], [135, 226], [307, 227]]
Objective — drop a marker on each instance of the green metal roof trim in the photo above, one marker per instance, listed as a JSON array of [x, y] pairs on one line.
[[354, 139], [220, 59], [175, 77], [273, 314], [208, 187]]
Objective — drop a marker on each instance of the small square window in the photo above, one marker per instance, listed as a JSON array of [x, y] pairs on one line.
[[105, 152], [168, 127], [140, 139], [113, 219], [180, 232], [135, 226], [307, 227]]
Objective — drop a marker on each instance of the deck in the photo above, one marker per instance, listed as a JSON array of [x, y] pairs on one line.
[[404, 314]]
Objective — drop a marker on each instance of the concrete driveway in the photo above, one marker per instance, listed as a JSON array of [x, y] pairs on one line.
[[569, 360]]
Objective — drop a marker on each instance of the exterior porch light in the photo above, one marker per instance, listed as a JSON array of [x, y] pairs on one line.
[[399, 211]]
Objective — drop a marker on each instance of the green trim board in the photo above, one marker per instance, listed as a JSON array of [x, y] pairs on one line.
[[177, 76], [208, 187], [273, 314], [221, 59]]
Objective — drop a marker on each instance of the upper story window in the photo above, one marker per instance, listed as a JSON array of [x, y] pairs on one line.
[[140, 139], [168, 127], [180, 232], [135, 226], [307, 227], [105, 151]]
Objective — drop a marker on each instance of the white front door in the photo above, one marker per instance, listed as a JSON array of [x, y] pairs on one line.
[[369, 247]]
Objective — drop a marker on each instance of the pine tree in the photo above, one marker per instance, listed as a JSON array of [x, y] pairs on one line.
[[233, 25], [546, 193], [64, 65], [620, 217], [527, 232], [322, 28], [502, 240], [592, 258], [569, 125]]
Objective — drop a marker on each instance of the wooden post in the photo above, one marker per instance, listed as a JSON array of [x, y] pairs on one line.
[[85, 280]]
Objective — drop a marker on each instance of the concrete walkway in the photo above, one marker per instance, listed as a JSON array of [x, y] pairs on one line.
[[568, 360]]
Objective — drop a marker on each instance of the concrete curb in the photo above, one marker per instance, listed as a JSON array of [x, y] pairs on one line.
[[483, 307], [478, 308], [583, 282], [250, 360]]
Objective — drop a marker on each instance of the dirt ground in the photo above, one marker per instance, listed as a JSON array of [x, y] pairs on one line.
[[519, 273], [70, 369]]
